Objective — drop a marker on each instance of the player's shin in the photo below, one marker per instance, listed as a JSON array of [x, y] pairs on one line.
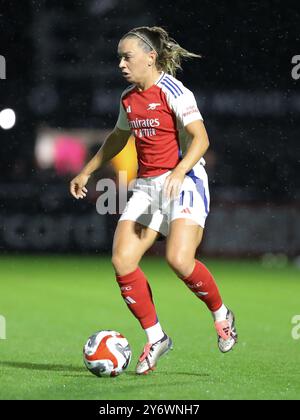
[[203, 285], [136, 292]]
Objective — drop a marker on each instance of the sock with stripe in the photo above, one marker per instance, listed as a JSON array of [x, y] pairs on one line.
[[203, 285], [136, 292]]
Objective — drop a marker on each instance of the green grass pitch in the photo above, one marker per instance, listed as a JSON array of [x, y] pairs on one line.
[[53, 304]]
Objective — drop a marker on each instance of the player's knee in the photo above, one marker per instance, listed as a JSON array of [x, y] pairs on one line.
[[123, 263], [179, 262]]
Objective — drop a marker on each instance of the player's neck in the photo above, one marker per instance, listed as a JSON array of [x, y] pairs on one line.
[[150, 81]]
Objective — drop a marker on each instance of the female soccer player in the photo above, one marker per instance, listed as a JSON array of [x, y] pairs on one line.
[[171, 195]]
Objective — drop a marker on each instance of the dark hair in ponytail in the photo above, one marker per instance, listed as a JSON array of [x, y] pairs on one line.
[[169, 52]]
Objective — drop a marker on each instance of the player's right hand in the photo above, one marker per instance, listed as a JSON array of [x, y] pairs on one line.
[[77, 186]]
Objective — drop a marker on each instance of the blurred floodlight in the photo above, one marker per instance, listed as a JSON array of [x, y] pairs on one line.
[[7, 119]]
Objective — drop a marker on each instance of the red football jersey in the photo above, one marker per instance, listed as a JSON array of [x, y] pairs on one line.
[[156, 118]]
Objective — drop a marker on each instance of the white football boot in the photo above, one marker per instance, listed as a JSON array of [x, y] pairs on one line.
[[227, 334], [151, 353]]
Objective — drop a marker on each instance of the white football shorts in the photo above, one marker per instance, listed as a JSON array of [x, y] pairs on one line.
[[149, 206]]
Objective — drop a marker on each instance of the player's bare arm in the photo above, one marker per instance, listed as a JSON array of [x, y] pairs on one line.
[[195, 152], [114, 143]]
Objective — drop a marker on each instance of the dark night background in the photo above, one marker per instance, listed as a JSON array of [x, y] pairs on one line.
[[62, 71]]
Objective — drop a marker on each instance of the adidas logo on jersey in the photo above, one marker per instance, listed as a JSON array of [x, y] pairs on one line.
[[153, 106], [128, 109]]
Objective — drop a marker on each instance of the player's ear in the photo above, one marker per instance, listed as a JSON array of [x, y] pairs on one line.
[[151, 58]]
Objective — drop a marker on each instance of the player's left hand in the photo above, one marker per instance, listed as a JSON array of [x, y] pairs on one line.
[[173, 183]]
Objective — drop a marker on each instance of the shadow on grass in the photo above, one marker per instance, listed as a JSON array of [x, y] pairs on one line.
[[69, 370], [45, 366], [156, 373]]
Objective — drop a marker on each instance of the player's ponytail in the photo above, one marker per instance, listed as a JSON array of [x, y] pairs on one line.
[[169, 52]]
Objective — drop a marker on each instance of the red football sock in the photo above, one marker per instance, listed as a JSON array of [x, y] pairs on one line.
[[136, 292], [202, 283]]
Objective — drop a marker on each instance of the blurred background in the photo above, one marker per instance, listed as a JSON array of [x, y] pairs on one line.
[[63, 85]]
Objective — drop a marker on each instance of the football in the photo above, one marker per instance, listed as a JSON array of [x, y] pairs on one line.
[[107, 353]]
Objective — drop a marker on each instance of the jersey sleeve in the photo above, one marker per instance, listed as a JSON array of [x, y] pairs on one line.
[[122, 122], [185, 108]]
